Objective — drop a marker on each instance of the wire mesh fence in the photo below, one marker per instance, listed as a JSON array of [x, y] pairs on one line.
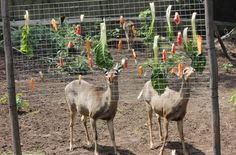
[[54, 56]]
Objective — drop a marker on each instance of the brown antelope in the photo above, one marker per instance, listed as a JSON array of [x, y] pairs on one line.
[[95, 103], [171, 105]]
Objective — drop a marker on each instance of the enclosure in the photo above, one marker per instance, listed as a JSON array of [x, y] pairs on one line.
[[58, 42]]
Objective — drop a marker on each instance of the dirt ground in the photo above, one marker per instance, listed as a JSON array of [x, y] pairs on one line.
[[45, 129]]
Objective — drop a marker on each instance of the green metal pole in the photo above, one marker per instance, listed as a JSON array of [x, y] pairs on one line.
[[10, 78]]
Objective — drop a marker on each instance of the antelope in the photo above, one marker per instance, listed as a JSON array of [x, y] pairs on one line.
[[171, 105], [95, 103], [130, 31]]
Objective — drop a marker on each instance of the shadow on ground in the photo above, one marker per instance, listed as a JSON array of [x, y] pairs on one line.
[[108, 150], [178, 147]]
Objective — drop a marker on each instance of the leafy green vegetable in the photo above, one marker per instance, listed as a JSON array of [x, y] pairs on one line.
[[170, 32], [227, 66], [144, 14], [3, 99], [198, 62], [103, 56], [21, 104], [151, 31], [144, 28], [25, 46], [232, 99], [159, 79], [190, 48], [193, 22], [156, 49]]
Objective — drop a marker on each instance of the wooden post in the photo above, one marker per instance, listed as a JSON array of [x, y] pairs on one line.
[[10, 78], [213, 76]]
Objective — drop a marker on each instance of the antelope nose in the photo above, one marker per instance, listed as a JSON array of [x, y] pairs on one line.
[[111, 78]]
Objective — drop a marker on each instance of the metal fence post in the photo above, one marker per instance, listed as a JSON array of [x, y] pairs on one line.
[[213, 76], [10, 78]]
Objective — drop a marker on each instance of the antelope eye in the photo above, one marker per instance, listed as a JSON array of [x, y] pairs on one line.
[[116, 72], [185, 70], [106, 73]]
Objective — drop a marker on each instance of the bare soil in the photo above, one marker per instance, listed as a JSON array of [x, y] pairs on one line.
[[45, 128]]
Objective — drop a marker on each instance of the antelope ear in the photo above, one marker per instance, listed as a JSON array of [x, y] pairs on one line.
[[119, 67], [105, 71], [116, 66], [185, 74]]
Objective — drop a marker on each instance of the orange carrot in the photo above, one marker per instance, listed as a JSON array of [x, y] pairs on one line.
[[177, 18], [121, 21], [164, 56], [120, 46], [173, 70], [133, 31], [199, 44], [140, 71], [78, 29], [90, 60], [41, 75], [88, 47], [54, 24], [70, 45], [134, 54], [180, 69], [126, 64], [61, 62], [173, 48], [179, 38], [32, 83]]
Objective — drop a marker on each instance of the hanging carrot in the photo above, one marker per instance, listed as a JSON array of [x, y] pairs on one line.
[[32, 83], [173, 70], [61, 62], [173, 48], [54, 24], [179, 39], [70, 45], [81, 18], [78, 29], [120, 46], [121, 21], [88, 47], [199, 44], [177, 18], [41, 75], [134, 56], [140, 71], [126, 64], [164, 56], [180, 69], [133, 31], [90, 60]]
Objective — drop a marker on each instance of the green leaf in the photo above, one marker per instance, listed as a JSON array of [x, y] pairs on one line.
[[103, 56], [159, 79], [199, 62], [151, 30], [25, 46]]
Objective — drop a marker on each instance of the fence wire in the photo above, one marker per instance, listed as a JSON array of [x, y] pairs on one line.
[[50, 48]]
